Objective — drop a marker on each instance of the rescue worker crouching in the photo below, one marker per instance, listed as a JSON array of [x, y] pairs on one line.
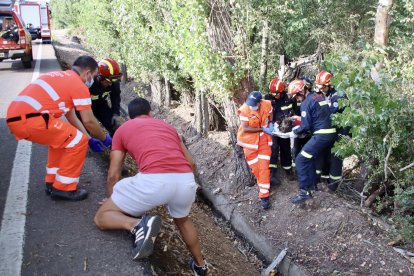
[[282, 109], [107, 83], [253, 137], [34, 115], [328, 164], [315, 119]]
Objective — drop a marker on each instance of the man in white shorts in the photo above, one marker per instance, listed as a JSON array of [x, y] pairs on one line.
[[165, 178]]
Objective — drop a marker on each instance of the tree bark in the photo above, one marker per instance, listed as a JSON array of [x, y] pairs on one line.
[[167, 96], [157, 93], [382, 22], [204, 111], [201, 113], [264, 55], [124, 71]]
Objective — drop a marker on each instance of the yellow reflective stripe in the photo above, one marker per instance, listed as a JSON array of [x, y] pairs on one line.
[[335, 177], [105, 94], [307, 155], [322, 103], [325, 131], [318, 172], [287, 168], [111, 69], [273, 166], [286, 107], [325, 176]]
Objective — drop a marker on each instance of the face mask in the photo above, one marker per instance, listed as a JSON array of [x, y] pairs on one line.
[[89, 83], [254, 107]]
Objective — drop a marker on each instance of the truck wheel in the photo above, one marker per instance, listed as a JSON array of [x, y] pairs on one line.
[[27, 61]]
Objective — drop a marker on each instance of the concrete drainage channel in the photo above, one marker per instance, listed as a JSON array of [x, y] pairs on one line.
[[243, 228]]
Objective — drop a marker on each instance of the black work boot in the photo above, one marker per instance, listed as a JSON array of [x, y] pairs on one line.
[[333, 186], [48, 188], [77, 195], [274, 178], [301, 197], [290, 175]]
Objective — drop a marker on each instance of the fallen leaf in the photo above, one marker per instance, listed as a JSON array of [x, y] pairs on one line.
[[334, 256]]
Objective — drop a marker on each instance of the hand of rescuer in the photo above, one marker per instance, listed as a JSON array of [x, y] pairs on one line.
[[292, 134], [96, 145], [269, 130], [108, 141]]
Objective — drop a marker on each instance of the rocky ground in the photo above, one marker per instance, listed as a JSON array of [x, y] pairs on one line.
[[329, 236]]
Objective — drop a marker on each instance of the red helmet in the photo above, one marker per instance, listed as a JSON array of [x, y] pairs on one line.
[[296, 86], [276, 86], [323, 78], [109, 68]]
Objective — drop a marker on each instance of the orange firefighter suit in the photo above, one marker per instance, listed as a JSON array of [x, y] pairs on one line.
[[257, 145], [34, 115]]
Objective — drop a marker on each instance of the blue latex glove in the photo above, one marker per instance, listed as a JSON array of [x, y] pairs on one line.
[[96, 145], [269, 130], [108, 141]]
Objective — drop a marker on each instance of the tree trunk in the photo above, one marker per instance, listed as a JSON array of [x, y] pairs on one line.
[[167, 98], [201, 113], [243, 175], [157, 87], [265, 46], [382, 22], [198, 112], [204, 111], [124, 77]]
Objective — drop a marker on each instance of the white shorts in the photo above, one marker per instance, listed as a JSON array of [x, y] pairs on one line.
[[140, 193]]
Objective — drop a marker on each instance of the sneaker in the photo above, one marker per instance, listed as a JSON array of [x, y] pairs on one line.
[[76, 195], [301, 197], [144, 236], [265, 203], [198, 270], [48, 188]]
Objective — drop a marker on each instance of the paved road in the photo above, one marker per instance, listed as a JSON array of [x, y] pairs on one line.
[[39, 236]]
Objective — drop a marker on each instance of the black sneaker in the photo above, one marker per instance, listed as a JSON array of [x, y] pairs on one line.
[[48, 188], [265, 203], [198, 270], [301, 197], [77, 195], [144, 236]]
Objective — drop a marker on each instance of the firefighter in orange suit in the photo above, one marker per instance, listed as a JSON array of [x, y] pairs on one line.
[[34, 116], [253, 136]]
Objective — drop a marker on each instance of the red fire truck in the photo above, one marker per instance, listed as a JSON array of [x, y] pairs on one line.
[[36, 15]]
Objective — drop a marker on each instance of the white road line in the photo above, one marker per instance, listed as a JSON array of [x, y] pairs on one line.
[[14, 215]]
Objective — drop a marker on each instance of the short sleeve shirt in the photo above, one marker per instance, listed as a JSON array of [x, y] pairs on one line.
[[154, 145], [55, 93]]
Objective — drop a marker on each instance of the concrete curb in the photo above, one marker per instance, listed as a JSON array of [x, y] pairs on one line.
[[259, 242]]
